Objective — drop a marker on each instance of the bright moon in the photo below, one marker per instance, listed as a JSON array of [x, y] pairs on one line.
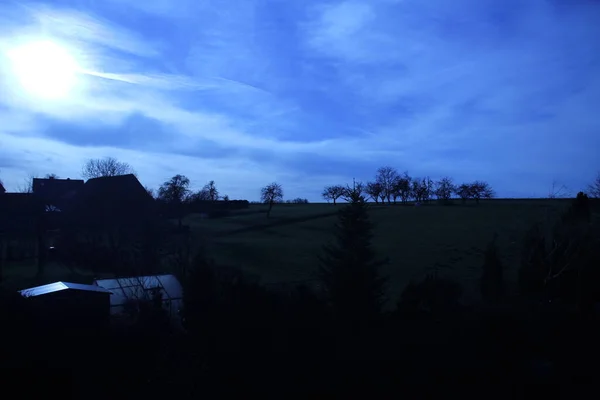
[[44, 69]]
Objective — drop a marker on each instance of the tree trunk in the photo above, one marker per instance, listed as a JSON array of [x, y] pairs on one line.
[[269, 210], [334, 200]]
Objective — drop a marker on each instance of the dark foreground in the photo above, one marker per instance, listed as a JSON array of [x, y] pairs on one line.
[[291, 346]]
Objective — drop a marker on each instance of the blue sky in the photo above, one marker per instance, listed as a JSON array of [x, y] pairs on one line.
[[311, 93]]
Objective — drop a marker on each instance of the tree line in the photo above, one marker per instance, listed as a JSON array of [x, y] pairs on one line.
[[390, 186]]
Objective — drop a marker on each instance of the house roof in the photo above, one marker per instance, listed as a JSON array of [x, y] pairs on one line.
[[53, 189], [115, 196], [59, 286]]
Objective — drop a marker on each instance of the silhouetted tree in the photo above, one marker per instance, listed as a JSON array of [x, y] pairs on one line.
[[481, 190], [444, 189], [428, 188], [109, 166], [174, 192], [27, 186], [492, 278], [356, 190], [463, 191], [51, 176], [349, 268], [333, 193], [374, 190], [270, 195], [150, 191], [565, 266], [386, 177], [212, 194], [402, 187], [297, 200], [594, 188], [421, 189]]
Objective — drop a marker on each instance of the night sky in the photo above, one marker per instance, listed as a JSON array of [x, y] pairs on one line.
[[303, 93]]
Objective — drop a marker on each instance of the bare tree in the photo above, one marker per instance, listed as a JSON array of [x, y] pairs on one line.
[[428, 188], [211, 191], [174, 192], [270, 195], [374, 190], [444, 189], [481, 190], [351, 193], [27, 186], [51, 176], [200, 195], [594, 188], [109, 166], [333, 193], [402, 187], [420, 189], [386, 177], [463, 191]]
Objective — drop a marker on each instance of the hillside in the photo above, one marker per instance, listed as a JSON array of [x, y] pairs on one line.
[[285, 247]]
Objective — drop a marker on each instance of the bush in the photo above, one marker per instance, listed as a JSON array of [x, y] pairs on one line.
[[432, 297]]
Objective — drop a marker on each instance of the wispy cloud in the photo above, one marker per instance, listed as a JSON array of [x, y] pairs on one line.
[[310, 93]]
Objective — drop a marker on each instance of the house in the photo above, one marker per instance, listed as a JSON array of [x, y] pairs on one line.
[[20, 227], [70, 305], [113, 199], [126, 291], [56, 193]]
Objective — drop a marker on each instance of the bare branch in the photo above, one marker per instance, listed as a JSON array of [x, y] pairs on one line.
[[96, 168]]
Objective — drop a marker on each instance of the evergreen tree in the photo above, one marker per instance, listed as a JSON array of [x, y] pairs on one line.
[[349, 268]]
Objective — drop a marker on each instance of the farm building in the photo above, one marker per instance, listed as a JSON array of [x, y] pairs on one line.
[[20, 229], [56, 193], [125, 291], [72, 305]]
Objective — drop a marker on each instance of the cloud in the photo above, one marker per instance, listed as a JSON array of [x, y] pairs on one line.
[[312, 94]]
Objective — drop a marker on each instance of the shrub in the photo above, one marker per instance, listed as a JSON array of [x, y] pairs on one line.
[[434, 296]]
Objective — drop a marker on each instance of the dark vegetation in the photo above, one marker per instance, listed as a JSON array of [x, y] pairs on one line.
[[344, 334]]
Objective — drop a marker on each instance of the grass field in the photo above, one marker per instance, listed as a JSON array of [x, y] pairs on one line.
[[416, 240]]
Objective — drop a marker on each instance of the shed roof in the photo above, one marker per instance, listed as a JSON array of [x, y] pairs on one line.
[[59, 286]]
